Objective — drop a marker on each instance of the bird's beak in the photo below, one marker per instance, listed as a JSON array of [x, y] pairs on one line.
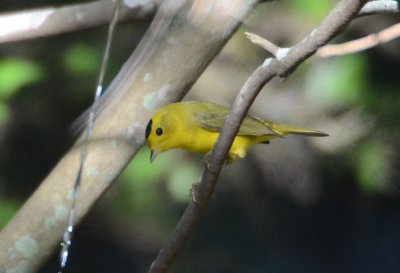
[[153, 154]]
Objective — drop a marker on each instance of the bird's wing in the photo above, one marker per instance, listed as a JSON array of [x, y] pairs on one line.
[[213, 116], [256, 127]]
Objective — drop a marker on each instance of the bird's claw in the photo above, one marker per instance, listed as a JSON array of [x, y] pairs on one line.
[[207, 162], [193, 192]]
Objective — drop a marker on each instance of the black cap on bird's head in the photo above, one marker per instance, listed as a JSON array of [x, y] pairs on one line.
[[148, 128], [153, 150]]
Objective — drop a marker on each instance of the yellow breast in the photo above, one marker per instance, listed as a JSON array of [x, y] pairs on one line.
[[202, 141]]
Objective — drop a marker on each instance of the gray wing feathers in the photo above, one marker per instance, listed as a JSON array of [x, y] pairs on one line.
[[215, 116]]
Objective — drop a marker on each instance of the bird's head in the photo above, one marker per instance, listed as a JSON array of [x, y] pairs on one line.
[[161, 132]]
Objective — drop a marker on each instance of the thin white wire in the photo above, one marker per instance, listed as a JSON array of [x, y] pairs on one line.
[[68, 233]]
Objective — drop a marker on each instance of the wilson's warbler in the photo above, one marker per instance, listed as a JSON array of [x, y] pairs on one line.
[[195, 126]]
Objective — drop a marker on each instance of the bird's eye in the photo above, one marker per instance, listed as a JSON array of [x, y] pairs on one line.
[[159, 131]]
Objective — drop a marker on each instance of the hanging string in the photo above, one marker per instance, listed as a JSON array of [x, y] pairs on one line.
[[69, 231]]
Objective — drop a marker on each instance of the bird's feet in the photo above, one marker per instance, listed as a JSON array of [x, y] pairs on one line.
[[207, 162], [194, 191]]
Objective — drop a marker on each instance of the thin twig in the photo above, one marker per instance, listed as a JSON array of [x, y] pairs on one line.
[[260, 41], [361, 44], [330, 27]]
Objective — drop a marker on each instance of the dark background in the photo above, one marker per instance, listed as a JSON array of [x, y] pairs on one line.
[[296, 205]]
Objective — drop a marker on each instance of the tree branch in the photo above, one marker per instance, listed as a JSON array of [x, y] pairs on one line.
[[285, 62], [384, 36], [16, 26], [379, 6], [162, 75], [265, 44]]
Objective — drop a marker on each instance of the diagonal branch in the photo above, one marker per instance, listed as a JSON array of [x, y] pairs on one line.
[[30, 24], [379, 6], [372, 40], [285, 62], [16, 26], [164, 76]]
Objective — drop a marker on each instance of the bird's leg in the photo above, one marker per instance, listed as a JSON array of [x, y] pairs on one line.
[[232, 157], [195, 186]]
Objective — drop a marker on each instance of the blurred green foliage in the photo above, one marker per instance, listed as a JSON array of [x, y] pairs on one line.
[[179, 180], [339, 83], [140, 177], [314, 9], [373, 166], [17, 73], [146, 191], [82, 59], [345, 85], [8, 208], [4, 112]]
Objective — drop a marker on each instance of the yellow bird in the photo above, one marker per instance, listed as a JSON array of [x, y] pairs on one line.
[[195, 126]]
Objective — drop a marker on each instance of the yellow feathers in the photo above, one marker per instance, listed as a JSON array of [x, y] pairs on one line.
[[195, 126]]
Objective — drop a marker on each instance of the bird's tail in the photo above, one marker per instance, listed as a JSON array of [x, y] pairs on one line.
[[283, 130]]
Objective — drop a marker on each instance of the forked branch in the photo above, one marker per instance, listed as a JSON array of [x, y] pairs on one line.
[[286, 61]]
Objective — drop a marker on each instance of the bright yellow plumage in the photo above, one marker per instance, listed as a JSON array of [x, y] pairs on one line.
[[195, 126]]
